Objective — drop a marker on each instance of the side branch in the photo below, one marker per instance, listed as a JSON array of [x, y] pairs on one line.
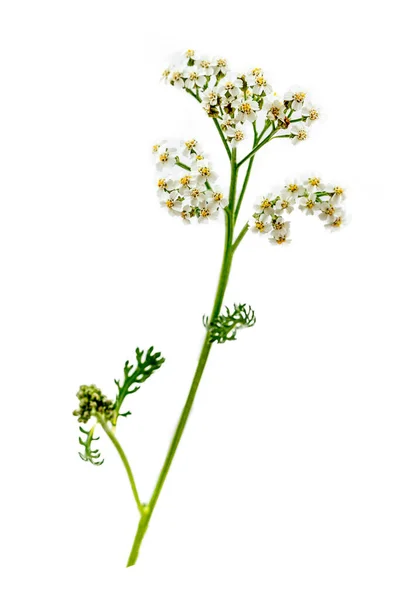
[[125, 461]]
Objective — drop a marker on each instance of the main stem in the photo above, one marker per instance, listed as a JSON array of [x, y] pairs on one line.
[[205, 351]]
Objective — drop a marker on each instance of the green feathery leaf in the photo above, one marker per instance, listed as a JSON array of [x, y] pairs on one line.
[[225, 326], [89, 455], [134, 376]]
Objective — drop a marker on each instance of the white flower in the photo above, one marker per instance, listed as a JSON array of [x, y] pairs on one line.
[[165, 75], [299, 131], [165, 185], [336, 221], [285, 201], [227, 121], [186, 214], [220, 65], [204, 172], [207, 212], [275, 109], [311, 112], [188, 147], [279, 224], [337, 191], [173, 203], [259, 84], [185, 182], [205, 67], [189, 54], [176, 78], [196, 194], [329, 209], [294, 188], [230, 85], [308, 204], [246, 109], [279, 237], [164, 155], [314, 183], [210, 97], [296, 96], [261, 224], [193, 79], [236, 135], [217, 197], [265, 203]]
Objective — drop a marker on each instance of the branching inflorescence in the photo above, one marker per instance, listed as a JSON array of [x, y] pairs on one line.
[[240, 105]]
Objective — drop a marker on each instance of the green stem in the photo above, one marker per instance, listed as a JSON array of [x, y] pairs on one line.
[[182, 165], [260, 145], [246, 178], [125, 461], [240, 236], [217, 125], [221, 133], [147, 511]]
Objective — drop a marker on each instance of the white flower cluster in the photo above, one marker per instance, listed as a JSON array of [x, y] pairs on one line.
[[312, 197], [187, 188], [235, 99]]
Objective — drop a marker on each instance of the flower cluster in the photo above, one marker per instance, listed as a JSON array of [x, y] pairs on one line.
[[312, 197], [235, 99], [187, 187], [91, 402]]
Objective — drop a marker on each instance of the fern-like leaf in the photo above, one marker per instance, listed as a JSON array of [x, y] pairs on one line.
[[146, 364], [89, 454], [225, 326]]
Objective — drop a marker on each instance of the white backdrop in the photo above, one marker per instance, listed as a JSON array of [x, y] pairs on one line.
[[286, 483]]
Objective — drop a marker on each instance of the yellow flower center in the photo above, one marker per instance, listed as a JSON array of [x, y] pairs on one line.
[[314, 114], [314, 181], [193, 76], [261, 80], [284, 204], [161, 183], [190, 144], [265, 204], [205, 212], [302, 135], [330, 210], [166, 72], [338, 190], [217, 197], [259, 225], [221, 62], [281, 239], [239, 136], [190, 53], [278, 225], [156, 147], [245, 108], [337, 222], [292, 187], [275, 110], [176, 76], [309, 203], [164, 157], [204, 171], [199, 156], [195, 193], [170, 203], [256, 71], [185, 180], [205, 64], [299, 96]]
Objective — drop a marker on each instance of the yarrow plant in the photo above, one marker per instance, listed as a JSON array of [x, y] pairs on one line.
[[241, 105]]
